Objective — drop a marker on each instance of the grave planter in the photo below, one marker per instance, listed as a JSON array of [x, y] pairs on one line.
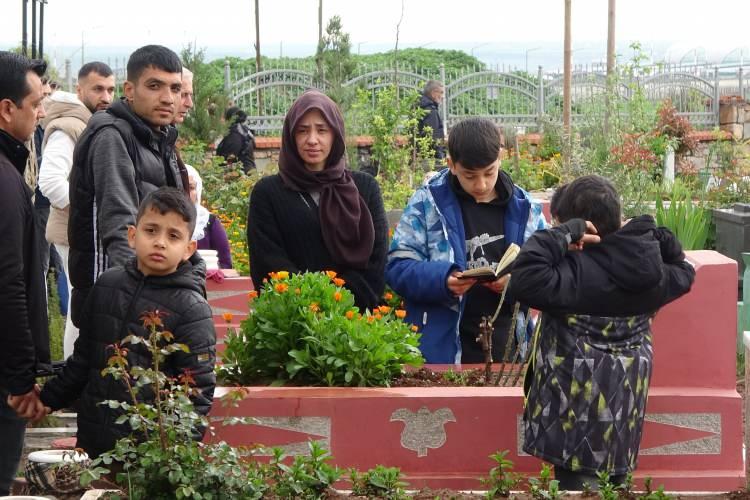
[[442, 437]]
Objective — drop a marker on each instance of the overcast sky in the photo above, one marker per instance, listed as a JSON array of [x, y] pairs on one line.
[[485, 25]]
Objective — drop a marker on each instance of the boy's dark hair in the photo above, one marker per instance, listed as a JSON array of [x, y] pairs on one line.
[[97, 67], [13, 70], [155, 56], [474, 143], [592, 198], [235, 115], [554, 203], [169, 199]]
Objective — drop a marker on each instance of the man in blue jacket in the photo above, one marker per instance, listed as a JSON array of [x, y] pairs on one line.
[[464, 218]]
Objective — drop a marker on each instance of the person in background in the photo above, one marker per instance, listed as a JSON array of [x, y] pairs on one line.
[[24, 335], [67, 116], [316, 214], [209, 233], [239, 143], [430, 100]]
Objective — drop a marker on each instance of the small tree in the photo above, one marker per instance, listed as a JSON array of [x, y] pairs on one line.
[[204, 120], [335, 62]]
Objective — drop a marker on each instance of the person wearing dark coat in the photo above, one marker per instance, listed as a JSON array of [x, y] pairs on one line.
[[161, 277], [239, 143], [429, 101], [124, 153], [598, 286], [315, 214], [24, 335]]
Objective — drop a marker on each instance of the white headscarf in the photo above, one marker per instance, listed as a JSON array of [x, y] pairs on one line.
[[202, 214]]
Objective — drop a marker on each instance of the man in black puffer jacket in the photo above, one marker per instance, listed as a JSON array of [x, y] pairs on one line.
[[161, 278], [125, 153]]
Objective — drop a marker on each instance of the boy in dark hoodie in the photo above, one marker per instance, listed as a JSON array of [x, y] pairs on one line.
[[160, 277], [599, 284]]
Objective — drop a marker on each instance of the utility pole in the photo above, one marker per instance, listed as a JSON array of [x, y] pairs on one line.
[[24, 27], [567, 56], [610, 63], [258, 63], [41, 28], [33, 29], [319, 51]]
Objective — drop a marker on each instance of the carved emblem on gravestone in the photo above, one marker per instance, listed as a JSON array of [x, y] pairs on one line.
[[423, 429]]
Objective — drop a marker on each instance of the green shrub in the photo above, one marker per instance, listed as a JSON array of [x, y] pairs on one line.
[[690, 223], [304, 328]]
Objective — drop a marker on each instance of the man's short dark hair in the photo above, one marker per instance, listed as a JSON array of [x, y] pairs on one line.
[[474, 143], [169, 199], [154, 56], [97, 67], [592, 198], [13, 70]]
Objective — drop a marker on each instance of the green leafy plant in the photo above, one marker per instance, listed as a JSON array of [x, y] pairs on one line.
[[544, 487], [305, 329], [607, 490], [651, 494], [689, 222], [161, 458], [379, 482], [501, 478], [307, 477]]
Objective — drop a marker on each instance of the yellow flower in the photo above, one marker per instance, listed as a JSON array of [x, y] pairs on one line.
[[414, 328], [281, 287], [314, 307], [331, 274], [282, 275], [384, 309]]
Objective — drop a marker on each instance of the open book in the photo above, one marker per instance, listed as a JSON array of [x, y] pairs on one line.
[[503, 267]]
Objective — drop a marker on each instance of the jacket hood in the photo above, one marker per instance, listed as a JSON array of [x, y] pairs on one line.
[[190, 274], [636, 253], [427, 102], [65, 105], [143, 132]]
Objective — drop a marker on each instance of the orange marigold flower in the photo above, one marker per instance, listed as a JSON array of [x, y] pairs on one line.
[[384, 309], [400, 313], [414, 328], [252, 294], [331, 274], [297, 291], [227, 317], [349, 314], [282, 275], [378, 316], [388, 296], [370, 319], [337, 296], [314, 307], [338, 281], [281, 287], [273, 275]]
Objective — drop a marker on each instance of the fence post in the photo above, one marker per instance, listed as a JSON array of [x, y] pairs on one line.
[[445, 100], [227, 77], [717, 95], [540, 96], [741, 82], [68, 76]]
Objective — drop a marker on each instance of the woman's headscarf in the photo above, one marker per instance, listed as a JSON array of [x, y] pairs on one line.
[[202, 214], [345, 220]]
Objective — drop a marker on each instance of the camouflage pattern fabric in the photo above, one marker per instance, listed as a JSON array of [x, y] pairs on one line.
[[587, 397]]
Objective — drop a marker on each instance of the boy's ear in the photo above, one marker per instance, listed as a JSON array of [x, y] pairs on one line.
[[190, 249], [131, 237]]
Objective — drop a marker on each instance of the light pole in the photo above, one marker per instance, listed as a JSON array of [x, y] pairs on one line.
[[527, 57], [478, 46], [359, 45]]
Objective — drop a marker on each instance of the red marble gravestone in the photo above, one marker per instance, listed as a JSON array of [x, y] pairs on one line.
[[442, 437]]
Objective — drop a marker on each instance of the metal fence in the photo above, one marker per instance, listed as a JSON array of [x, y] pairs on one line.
[[509, 97]]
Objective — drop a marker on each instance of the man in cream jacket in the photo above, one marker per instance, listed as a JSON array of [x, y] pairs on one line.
[[67, 116]]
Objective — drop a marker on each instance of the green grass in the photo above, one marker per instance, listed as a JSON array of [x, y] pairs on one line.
[[56, 321]]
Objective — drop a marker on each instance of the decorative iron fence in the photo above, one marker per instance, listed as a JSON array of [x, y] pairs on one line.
[[508, 97]]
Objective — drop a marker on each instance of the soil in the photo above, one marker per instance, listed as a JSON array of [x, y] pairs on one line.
[[509, 375]]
